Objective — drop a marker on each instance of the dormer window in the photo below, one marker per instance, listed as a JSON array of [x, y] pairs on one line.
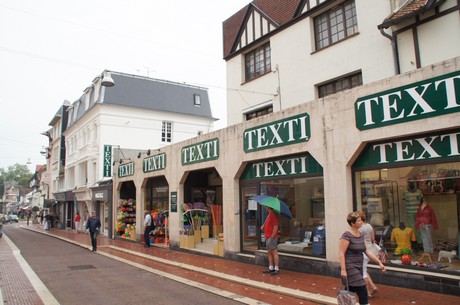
[[197, 100]]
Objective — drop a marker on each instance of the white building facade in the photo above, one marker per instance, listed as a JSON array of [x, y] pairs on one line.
[[320, 120], [116, 124]]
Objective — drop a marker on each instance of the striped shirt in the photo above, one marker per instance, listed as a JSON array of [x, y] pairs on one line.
[[354, 259], [412, 201]]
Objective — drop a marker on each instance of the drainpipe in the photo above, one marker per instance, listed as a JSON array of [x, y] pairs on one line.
[[393, 48]]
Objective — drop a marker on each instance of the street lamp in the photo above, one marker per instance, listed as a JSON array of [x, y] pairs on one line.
[[107, 80]]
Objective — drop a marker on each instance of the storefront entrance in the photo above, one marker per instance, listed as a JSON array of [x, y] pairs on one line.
[[126, 212], [156, 201], [203, 209]]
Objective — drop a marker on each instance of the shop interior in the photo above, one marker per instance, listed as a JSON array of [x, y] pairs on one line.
[[126, 212], [156, 201], [305, 233], [202, 211], [392, 198]]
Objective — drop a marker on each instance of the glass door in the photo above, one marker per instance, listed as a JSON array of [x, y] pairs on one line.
[[250, 219]]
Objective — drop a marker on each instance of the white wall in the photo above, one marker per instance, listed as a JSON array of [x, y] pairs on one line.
[[301, 67]]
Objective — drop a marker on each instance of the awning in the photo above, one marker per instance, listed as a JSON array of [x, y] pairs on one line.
[[411, 8]]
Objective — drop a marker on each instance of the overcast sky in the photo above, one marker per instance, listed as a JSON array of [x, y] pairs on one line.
[[51, 50]]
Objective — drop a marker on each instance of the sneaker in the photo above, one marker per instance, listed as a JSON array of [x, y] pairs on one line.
[[275, 272], [268, 271]]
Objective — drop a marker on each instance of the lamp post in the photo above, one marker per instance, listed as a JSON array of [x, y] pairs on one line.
[[107, 80]]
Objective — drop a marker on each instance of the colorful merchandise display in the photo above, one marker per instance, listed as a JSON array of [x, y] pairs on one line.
[[126, 219], [159, 218]]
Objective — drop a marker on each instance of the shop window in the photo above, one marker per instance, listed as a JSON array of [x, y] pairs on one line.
[[392, 200], [157, 194], [305, 233]]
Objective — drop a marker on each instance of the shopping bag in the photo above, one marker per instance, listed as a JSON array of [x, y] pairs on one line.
[[344, 295], [383, 252]]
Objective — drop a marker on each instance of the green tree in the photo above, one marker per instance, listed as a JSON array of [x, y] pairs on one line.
[[18, 172]]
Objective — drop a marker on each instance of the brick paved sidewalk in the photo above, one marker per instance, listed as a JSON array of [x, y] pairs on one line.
[[321, 289], [15, 286]]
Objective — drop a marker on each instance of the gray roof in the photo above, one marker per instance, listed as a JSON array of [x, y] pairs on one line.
[[148, 93], [155, 94]]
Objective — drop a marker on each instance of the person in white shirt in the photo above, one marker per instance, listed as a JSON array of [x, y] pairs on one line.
[[147, 228]]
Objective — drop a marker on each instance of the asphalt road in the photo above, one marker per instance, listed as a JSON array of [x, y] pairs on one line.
[[75, 275]]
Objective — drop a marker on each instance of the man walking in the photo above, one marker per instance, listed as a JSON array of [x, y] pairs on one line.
[[93, 225]]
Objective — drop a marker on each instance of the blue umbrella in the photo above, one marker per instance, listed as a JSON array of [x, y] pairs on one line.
[[276, 204]]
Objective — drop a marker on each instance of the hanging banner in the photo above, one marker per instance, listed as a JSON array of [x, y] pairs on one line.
[[107, 171]]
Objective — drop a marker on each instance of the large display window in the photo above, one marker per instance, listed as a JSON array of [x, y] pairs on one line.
[[414, 211], [305, 232]]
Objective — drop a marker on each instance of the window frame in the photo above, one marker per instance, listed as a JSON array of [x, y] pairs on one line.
[[340, 80], [259, 112], [166, 132], [257, 62], [197, 100], [338, 18]]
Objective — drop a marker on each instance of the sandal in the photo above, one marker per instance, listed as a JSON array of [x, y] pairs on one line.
[[373, 292]]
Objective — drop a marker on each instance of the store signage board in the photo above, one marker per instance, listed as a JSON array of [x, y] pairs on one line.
[[174, 202], [200, 152], [125, 170], [154, 163], [282, 167], [292, 130], [429, 98], [107, 161], [430, 147]]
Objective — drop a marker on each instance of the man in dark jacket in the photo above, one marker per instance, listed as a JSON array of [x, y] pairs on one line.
[[93, 224]]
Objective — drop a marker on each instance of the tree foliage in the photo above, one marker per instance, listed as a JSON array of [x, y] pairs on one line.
[[18, 172]]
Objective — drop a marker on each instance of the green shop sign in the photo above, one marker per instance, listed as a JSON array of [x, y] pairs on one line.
[[154, 163], [125, 170], [292, 130], [107, 172], [435, 146], [429, 98], [201, 152], [283, 167]]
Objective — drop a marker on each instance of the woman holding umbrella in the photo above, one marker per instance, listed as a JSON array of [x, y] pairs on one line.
[[270, 228]]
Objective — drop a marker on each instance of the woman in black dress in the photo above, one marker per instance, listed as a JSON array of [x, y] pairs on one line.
[[351, 248]]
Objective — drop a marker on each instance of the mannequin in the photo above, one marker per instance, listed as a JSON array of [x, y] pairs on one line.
[[412, 198], [403, 236], [426, 222]]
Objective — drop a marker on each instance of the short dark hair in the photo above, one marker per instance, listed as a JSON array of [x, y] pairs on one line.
[[362, 215]]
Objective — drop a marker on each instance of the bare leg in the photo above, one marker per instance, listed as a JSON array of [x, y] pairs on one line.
[[270, 257], [371, 288], [276, 258]]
